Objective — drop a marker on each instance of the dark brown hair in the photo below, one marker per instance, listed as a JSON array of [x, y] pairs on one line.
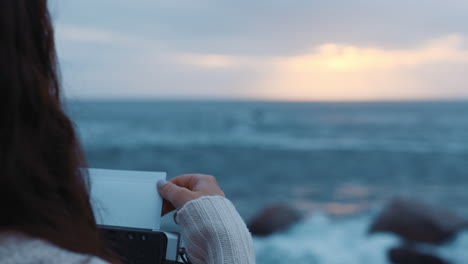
[[44, 192]]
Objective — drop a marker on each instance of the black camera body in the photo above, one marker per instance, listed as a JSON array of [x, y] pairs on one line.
[[143, 246]]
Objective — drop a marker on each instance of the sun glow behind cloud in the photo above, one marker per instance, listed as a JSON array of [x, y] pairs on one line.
[[347, 58], [435, 69], [334, 71], [318, 50]]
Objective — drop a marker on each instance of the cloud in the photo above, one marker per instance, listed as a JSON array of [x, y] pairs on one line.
[[79, 35], [274, 27], [206, 60], [343, 72], [276, 49], [88, 35], [334, 57], [219, 60], [347, 58], [101, 63], [122, 65], [334, 71]]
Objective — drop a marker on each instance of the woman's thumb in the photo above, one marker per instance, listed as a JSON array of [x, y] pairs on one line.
[[176, 195]]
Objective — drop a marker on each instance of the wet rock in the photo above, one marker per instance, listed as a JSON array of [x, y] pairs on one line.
[[404, 255], [417, 221], [274, 219]]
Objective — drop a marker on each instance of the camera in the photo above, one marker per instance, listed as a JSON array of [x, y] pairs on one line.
[[140, 246], [127, 209]]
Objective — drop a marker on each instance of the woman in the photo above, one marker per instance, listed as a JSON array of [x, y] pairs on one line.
[[46, 215]]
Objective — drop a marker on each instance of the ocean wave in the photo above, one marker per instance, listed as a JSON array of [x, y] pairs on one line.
[[125, 136], [321, 240]]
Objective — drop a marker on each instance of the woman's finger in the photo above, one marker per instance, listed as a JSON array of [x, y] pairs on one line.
[[176, 195], [190, 181]]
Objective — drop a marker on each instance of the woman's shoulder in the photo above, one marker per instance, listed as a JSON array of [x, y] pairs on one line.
[[16, 248]]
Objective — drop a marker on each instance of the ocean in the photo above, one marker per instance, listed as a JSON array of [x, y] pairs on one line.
[[340, 162]]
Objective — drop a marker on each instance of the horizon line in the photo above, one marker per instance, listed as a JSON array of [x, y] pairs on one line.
[[260, 100]]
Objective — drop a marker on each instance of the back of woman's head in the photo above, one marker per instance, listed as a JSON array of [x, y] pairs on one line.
[[43, 191]]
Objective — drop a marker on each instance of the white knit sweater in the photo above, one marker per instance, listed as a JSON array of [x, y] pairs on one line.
[[213, 231]]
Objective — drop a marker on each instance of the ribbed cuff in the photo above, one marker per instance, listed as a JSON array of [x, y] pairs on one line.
[[214, 232]]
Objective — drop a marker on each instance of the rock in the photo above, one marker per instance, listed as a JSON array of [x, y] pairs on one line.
[[416, 221], [274, 219], [404, 255]]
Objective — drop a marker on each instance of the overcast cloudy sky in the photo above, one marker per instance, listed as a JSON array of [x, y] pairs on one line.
[[269, 49]]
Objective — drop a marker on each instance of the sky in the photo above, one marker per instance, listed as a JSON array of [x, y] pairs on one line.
[[292, 50]]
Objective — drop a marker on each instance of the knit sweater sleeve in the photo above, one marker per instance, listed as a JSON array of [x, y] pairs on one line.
[[214, 232]]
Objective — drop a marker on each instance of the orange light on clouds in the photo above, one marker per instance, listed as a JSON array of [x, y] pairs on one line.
[[333, 71], [206, 60]]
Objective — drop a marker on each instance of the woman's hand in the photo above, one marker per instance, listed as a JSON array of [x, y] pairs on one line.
[[185, 188]]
